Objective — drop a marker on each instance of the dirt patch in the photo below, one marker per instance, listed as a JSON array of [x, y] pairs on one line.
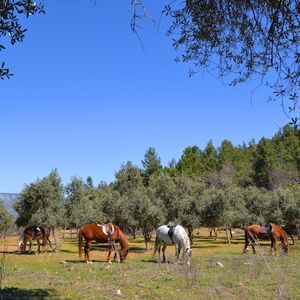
[[8, 248]]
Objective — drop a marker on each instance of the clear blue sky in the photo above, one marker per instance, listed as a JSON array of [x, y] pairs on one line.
[[86, 98]]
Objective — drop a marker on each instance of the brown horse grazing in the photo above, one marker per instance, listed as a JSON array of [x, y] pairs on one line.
[[102, 233], [34, 233], [266, 232]]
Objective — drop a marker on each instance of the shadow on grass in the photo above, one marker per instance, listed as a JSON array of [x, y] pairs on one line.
[[150, 260], [24, 294], [204, 246], [10, 252], [74, 261], [67, 251], [104, 248], [17, 252], [135, 249]]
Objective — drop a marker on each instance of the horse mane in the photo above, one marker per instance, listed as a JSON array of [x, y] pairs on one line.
[[122, 238], [187, 242], [284, 237]]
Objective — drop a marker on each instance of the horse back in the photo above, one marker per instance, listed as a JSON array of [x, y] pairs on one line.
[[95, 232]]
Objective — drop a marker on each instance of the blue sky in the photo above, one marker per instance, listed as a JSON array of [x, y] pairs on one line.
[[86, 97]]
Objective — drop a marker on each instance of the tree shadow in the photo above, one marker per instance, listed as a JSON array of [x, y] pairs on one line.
[[150, 260], [27, 294], [66, 251], [204, 246], [10, 252]]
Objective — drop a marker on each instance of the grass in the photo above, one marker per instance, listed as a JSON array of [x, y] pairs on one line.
[[61, 275]]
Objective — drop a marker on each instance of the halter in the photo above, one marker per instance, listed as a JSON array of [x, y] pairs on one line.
[[112, 243]]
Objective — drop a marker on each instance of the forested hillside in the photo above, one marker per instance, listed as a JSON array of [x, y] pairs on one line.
[[8, 200]]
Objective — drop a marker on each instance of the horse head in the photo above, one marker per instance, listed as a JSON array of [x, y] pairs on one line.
[[21, 244], [285, 248], [187, 256], [123, 254]]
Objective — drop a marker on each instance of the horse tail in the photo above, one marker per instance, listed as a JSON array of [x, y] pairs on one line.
[[80, 243], [285, 239]]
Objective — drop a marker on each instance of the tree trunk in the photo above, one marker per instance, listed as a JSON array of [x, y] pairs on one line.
[[147, 237], [190, 234], [228, 234], [55, 239], [134, 233]]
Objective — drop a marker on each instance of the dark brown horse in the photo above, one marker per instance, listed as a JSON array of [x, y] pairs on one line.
[[266, 232], [292, 229], [34, 233], [102, 233]]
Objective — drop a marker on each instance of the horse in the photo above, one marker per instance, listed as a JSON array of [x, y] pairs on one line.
[[173, 234], [292, 229], [34, 233], [271, 232], [103, 233], [229, 232]]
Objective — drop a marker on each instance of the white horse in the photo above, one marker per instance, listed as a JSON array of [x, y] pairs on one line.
[[174, 235]]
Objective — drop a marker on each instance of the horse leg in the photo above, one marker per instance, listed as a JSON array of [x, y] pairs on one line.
[[178, 248], [108, 255], [246, 243], [39, 246], [274, 246], [252, 245], [87, 251], [164, 253], [292, 239], [159, 248]]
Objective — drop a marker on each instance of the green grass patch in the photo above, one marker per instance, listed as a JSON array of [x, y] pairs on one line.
[[218, 271]]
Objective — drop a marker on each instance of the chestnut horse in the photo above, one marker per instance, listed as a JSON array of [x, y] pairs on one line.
[[266, 232], [102, 233], [34, 233]]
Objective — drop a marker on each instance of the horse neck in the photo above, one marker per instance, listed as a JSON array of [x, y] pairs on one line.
[[22, 237], [283, 237], [186, 242], [123, 240]]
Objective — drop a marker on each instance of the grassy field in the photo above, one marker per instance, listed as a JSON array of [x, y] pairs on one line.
[[61, 275]]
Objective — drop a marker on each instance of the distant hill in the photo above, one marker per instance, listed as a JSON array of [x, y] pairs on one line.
[[8, 200]]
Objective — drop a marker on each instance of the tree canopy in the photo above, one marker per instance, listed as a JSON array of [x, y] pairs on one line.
[[11, 12], [241, 40], [6, 219]]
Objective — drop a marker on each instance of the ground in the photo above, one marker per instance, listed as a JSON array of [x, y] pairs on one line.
[[217, 271]]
